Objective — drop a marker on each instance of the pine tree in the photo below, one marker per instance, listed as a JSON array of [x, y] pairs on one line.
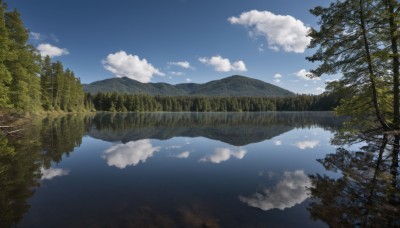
[[25, 87], [46, 83], [5, 54], [359, 39]]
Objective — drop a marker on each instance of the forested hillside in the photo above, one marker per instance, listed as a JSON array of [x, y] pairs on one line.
[[236, 85]]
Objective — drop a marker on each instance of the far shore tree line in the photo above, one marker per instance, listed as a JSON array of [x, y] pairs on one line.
[[115, 102]]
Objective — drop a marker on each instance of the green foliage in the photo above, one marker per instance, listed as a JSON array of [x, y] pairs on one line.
[[115, 102], [358, 39], [21, 88]]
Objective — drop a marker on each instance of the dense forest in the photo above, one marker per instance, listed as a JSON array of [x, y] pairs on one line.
[[116, 102], [29, 83]]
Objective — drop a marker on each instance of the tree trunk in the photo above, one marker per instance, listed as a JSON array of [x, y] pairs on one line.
[[371, 75]]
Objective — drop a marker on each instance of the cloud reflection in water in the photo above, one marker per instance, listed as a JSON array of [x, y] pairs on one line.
[[48, 174], [224, 154], [131, 153], [290, 190], [302, 145]]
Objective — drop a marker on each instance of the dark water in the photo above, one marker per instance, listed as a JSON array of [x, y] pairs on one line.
[[193, 170]]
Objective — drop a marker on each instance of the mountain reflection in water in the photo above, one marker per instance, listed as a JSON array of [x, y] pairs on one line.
[[195, 170]]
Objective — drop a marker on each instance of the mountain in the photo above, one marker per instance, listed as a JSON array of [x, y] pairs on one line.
[[231, 86]]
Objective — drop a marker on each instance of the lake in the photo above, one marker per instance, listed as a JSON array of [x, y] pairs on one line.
[[269, 169]]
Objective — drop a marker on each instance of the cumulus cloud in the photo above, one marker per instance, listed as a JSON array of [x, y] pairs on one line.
[[320, 89], [131, 153], [303, 74], [224, 154], [183, 64], [307, 144], [281, 31], [223, 65], [290, 190], [48, 174], [277, 78], [126, 65], [278, 142], [184, 155], [50, 50], [188, 80]]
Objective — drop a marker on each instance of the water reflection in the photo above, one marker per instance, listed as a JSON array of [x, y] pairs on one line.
[[184, 155], [44, 153], [131, 153], [48, 174], [236, 129], [224, 154], [289, 191], [367, 194], [302, 145], [25, 161]]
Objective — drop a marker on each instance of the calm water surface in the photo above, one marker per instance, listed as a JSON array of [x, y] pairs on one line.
[[168, 170]]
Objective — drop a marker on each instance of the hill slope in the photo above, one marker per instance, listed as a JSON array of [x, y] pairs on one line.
[[231, 86]]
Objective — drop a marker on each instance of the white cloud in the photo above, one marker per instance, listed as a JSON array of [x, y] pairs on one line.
[[131, 153], [278, 142], [184, 155], [50, 50], [320, 89], [223, 65], [224, 154], [35, 35], [188, 80], [303, 74], [277, 78], [177, 73], [307, 144], [183, 64], [48, 174], [281, 31], [126, 65], [290, 190]]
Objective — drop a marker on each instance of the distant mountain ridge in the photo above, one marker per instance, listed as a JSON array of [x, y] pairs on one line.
[[235, 85]]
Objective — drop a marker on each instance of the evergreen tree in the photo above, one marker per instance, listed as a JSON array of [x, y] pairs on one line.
[[359, 39], [25, 87], [46, 82], [5, 54]]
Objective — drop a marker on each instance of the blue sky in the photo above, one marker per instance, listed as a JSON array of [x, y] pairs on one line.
[[177, 41]]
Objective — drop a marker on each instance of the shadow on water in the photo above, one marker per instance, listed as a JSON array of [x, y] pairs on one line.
[[367, 194]]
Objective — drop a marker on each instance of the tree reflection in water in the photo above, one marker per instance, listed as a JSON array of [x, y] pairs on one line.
[[367, 194]]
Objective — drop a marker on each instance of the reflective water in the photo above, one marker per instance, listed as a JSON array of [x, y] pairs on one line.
[[175, 170]]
